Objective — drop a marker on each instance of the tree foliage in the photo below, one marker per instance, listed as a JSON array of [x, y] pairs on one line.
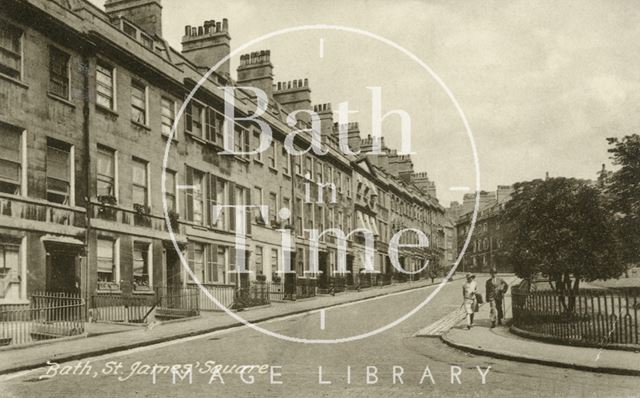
[[623, 191], [560, 228]]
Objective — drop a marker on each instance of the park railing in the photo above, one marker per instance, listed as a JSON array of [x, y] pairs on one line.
[[49, 315], [592, 317]]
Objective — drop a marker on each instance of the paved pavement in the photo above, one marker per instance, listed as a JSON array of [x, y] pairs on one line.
[[501, 343], [297, 366]]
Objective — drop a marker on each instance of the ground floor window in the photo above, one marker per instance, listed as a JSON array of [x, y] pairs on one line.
[[208, 262], [10, 269], [108, 272], [259, 261], [142, 266]]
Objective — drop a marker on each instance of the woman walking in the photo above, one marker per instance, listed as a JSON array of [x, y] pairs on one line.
[[469, 290]]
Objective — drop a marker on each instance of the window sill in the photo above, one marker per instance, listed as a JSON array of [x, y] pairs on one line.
[[260, 162], [62, 100], [195, 137], [174, 140], [273, 169], [105, 291], [140, 125], [14, 81], [107, 111], [144, 292]]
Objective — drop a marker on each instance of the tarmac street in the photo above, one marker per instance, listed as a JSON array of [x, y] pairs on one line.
[[244, 362]]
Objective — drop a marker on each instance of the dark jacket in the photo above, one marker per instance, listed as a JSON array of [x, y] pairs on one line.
[[496, 289]]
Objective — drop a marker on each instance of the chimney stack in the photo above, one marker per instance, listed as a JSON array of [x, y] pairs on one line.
[[255, 70], [206, 45], [325, 114], [147, 14], [294, 95]]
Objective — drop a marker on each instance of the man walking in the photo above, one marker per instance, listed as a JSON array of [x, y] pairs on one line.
[[496, 289]]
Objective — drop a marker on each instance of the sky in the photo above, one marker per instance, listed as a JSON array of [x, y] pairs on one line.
[[541, 83]]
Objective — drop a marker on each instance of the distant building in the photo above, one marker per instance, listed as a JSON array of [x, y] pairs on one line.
[[485, 247]]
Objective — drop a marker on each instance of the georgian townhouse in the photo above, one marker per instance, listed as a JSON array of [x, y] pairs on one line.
[[43, 153], [88, 103]]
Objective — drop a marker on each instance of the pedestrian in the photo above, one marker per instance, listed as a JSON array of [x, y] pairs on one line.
[[496, 289], [469, 290]]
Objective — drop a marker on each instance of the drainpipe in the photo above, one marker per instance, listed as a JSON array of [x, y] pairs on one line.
[[87, 167]]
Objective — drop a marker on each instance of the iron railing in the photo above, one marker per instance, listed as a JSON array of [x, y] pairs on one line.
[[223, 293], [276, 291], [306, 287], [118, 307], [593, 317], [252, 294], [49, 315], [177, 301]]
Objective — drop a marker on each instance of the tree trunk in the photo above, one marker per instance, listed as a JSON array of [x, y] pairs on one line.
[[574, 293]]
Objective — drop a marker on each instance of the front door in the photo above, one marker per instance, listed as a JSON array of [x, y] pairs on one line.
[[62, 275], [323, 267], [174, 269]]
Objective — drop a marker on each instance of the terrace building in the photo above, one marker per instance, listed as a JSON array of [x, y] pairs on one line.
[[88, 101]]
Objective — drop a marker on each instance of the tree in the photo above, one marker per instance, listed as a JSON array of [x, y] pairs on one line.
[[623, 190], [560, 228]]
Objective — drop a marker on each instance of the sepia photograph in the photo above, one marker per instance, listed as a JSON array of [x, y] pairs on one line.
[[319, 198]]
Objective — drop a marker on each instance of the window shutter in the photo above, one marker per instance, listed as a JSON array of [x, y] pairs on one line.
[[189, 118], [211, 198], [232, 264], [188, 198], [248, 214], [213, 263]]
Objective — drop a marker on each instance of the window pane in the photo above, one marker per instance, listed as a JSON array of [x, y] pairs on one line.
[[139, 180], [10, 50], [139, 173], [58, 72], [196, 260], [58, 163], [104, 86], [10, 171], [10, 144], [138, 103], [9, 258], [105, 163], [140, 264]]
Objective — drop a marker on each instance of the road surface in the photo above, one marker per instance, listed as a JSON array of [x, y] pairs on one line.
[[398, 363]]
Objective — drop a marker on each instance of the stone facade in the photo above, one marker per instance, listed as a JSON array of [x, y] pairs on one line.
[[88, 100]]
